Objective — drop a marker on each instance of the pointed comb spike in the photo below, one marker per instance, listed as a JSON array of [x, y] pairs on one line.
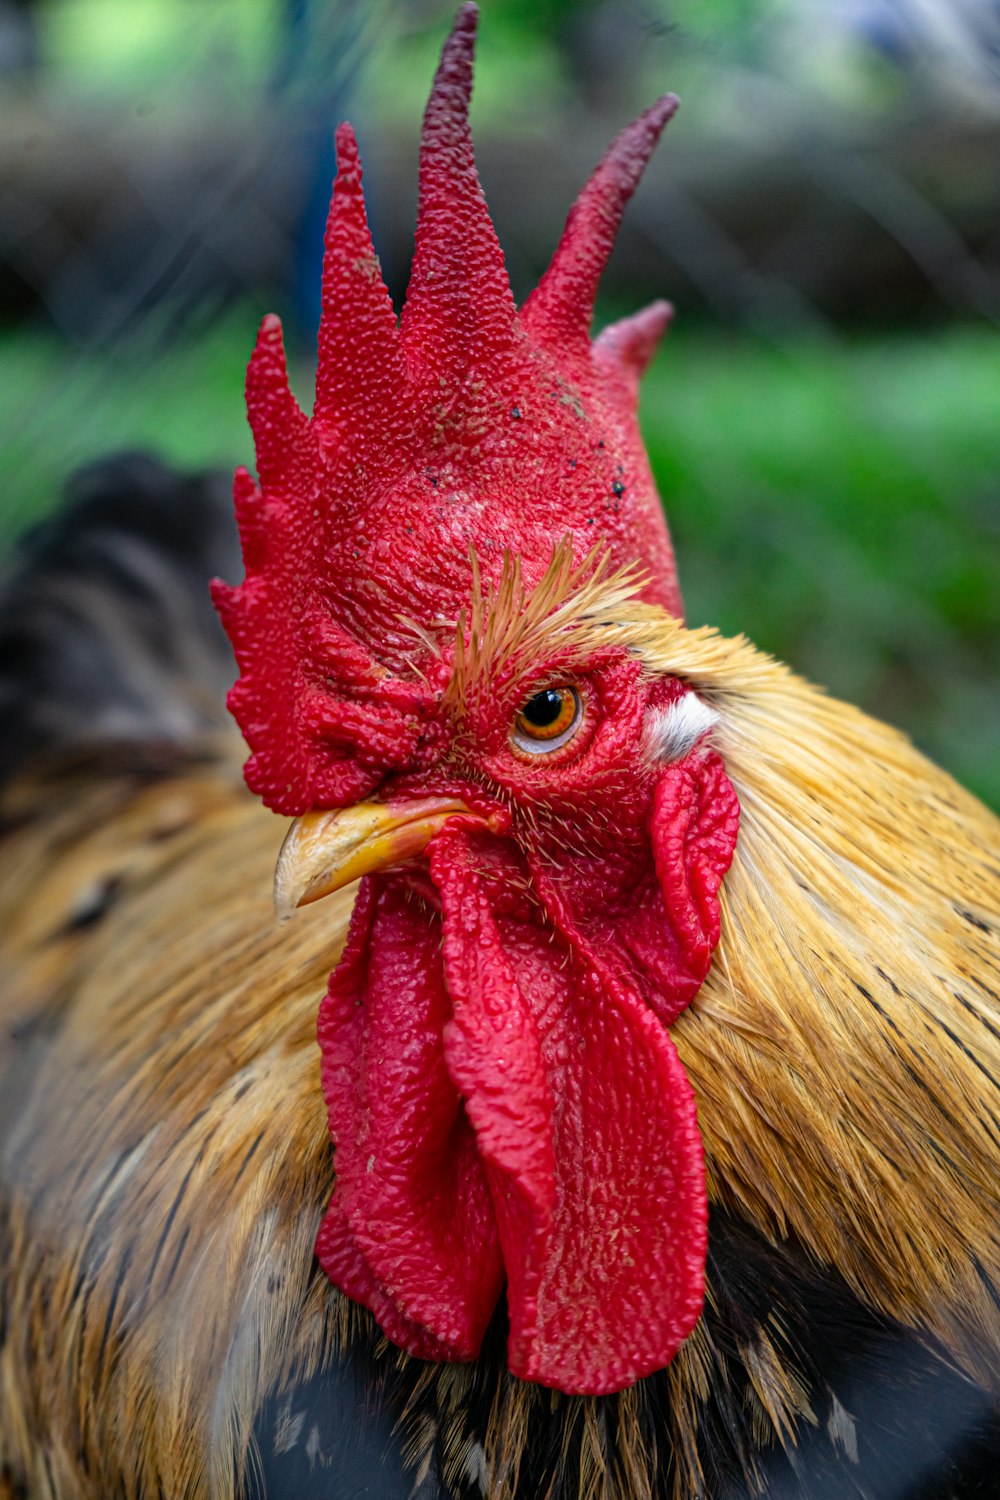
[[459, 294], [276, 419], [446, 116], [559, 311], [248, 504], [628, 345], [360, 374]]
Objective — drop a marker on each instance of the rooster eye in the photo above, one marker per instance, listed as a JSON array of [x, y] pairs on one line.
[[548, 720]]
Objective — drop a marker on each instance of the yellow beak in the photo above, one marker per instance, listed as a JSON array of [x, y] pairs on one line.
[[324, 851]]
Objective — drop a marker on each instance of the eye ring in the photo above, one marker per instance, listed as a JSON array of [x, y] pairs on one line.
[[548, 720]]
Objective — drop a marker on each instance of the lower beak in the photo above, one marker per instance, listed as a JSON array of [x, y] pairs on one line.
[[324, 851]]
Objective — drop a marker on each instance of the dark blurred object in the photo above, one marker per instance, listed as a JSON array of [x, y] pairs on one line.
[[19, 53], [893, 223], [98, 222], [910, 32], [107, 633]]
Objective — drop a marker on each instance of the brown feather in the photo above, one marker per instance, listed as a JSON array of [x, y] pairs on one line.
[[166, 1161]]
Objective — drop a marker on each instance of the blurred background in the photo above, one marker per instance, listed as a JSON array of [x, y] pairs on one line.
[[824, 419]]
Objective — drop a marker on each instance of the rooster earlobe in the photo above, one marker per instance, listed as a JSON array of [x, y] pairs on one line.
[[459, 299], [693, 831], [360, 373], [559, 311]]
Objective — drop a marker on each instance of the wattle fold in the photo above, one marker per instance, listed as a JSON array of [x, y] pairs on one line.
[[410, 1231], [503, 1104], [600, 1199]]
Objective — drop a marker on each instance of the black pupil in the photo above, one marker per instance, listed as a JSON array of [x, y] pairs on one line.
[[544, 708]]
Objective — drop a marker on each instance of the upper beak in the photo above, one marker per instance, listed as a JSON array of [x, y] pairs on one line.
[[324, 851]]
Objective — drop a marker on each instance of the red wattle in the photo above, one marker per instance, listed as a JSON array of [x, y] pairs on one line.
[[410, 1231], [504, 1097], [658, 928], [587, 1128]]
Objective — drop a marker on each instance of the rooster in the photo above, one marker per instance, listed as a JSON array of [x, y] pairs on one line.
[[651, 1146]]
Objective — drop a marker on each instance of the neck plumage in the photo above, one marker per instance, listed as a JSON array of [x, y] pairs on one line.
[[845, 1048]]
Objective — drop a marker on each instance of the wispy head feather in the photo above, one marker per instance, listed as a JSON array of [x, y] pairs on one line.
[[509, 628]]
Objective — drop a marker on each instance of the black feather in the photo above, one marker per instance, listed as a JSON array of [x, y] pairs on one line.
[[107, 634], [335, 1436], [891, 1419]]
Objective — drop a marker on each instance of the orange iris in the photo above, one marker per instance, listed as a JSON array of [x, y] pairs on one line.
[[549, 715]]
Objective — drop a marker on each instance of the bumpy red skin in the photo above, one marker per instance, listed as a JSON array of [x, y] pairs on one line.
[[503, 1095]]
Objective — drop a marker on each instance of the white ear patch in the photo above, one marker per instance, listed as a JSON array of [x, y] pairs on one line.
[[672, 731]]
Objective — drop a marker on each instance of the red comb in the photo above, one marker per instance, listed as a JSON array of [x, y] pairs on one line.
[[470, 426]]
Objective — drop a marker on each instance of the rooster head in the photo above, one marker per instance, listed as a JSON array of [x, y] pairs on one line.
[[436, 682]]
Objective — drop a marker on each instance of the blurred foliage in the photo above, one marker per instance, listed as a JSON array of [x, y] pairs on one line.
[[521, 77], [839, 503], [183, 401], [539, 51], [105, 47]]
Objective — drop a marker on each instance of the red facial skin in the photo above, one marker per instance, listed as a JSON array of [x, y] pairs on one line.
[[503, 1094]]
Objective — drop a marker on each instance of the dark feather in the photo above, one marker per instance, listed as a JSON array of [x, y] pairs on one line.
[[890, 1419], [335, 1435], [107, 634]]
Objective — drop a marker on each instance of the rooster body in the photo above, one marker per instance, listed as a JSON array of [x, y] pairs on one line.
[[792, 1292], [166, 1157]]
